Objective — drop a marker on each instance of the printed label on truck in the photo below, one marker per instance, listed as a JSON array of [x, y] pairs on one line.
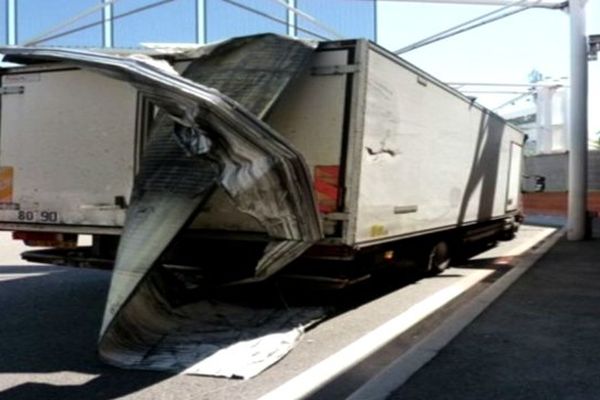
[[10, 212], [20, 78], [36, 216], [14, 215]]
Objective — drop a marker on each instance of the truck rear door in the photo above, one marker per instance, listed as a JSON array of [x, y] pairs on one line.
[[67, 156]]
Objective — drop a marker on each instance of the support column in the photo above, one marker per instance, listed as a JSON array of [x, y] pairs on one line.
[[292, 19], [201, 21], [107, 24], [11, 22], [578, 123], [543, 118]]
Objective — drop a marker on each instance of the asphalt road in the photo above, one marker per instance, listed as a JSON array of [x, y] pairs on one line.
[[51, 317]]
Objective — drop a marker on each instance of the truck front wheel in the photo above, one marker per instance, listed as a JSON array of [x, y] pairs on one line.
[[437, 258]]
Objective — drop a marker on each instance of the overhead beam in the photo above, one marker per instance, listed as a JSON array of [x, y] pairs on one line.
[[532, 3], [503, 84]]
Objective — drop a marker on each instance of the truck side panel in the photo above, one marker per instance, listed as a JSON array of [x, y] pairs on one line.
[[430, 159]]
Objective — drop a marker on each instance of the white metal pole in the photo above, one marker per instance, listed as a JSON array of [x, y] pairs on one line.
[[11, 22], [291, 18], [201, 21], [545, 99], [577, 207], [107, 24]]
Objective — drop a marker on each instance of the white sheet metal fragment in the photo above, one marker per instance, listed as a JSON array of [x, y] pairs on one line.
[[246, 359], [206, 337]]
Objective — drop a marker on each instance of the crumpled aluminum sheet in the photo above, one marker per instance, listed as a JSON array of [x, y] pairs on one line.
[[208, 336], [202, 139]]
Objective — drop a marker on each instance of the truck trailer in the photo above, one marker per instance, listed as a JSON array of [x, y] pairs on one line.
[[233, 161]]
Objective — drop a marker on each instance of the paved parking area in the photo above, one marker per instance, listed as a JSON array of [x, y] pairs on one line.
[[51, 316], [538, 341]]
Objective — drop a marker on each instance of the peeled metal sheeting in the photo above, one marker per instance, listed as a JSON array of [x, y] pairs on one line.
[[208, 134], [207, 336]]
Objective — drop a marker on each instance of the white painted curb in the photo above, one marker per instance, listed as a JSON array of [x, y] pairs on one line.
[[320, 374], [383, 384]]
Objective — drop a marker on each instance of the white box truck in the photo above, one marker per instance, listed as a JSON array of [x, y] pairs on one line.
[[262, 150], [394, 154]]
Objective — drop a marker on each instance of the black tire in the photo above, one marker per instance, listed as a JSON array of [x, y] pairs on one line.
[[437, 258], [507, 235]]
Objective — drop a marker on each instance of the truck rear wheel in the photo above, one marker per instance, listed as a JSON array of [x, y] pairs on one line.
[[437, 258]]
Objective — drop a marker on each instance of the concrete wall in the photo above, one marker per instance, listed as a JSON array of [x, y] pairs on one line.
[[554, 167]]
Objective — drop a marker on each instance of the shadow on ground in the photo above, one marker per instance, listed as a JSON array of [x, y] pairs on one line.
[[51, 317], [50, 322], [539, 340]]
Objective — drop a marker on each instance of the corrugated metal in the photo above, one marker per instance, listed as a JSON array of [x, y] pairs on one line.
[[203, 138]]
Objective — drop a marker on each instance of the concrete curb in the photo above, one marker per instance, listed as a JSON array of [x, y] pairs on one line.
[[397, 373]]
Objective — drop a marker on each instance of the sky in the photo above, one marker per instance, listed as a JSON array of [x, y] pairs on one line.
[[503, 51]]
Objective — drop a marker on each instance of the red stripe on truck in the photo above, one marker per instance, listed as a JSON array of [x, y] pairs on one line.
[[327, 178]]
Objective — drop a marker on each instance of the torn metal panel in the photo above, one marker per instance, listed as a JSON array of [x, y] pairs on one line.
[[203, 137], [204, 337], [253, 71]]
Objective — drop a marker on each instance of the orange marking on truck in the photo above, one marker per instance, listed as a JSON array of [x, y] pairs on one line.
[[6, 184]]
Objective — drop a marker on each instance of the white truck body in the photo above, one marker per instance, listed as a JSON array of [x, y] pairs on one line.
[[394, 152], [358, 156]]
